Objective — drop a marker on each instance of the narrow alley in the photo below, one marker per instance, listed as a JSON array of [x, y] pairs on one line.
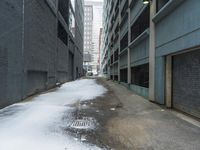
[[99, 75], [95, 114]]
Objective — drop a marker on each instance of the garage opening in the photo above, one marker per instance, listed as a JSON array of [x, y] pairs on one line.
[[124, 42], [124, 75], [140, 75], [116, 77], [186, 82], [141, 24], [111, 77]]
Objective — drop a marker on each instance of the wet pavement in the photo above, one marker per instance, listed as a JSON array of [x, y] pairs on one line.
[[125, 121]]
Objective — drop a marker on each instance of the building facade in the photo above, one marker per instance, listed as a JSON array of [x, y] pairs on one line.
[[93, 23], [41, 44], [88, 28], [154, 49]]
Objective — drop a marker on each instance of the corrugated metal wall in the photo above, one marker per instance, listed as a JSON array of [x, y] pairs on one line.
[[186, 82]]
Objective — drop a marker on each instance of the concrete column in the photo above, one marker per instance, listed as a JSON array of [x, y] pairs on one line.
[[129, 41], [119, 67], [169, 81], [152, 52], [119, 46]]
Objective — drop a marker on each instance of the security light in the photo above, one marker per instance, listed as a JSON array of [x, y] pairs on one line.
[[146, 2]]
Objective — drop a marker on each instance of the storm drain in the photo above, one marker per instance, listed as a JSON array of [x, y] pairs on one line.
[[84, 123]]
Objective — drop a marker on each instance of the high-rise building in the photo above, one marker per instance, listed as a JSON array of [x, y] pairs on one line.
[[41, 44], [93, 23], [100, 47], [88, 28], [153, 48]]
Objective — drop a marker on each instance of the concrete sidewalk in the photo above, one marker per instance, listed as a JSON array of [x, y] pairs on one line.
[[128, 121]]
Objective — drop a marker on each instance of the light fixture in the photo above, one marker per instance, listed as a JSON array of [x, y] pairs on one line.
[[146, 2]]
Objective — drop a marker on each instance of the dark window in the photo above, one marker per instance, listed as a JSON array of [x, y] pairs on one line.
[[116, 55], [111, 77], [161, 3], [62, 34], [63, 7], [124, 42], [116, 77], [123, 75], [140, 75], [111, 58], [124, 9], [141, 24]]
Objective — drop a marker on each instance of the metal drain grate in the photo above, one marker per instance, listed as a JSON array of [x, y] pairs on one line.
[[85, 123]]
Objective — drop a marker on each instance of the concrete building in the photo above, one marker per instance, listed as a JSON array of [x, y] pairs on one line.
[[100, 47], [88, 28], [41, 44], [154, 49], [93, 23]]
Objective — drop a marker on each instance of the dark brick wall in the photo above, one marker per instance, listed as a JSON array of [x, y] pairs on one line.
[[32, 58], [40, 43], [10, 51], [186, 82]]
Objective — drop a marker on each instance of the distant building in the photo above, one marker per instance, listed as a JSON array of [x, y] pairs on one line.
[[93, 23], [100, 47], [88, 28], [41, 43], [154, 50]]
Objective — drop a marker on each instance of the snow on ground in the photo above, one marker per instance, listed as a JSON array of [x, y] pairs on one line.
[[38, 124]]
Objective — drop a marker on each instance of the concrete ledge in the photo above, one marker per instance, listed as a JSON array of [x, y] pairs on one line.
[[140, 62], [140, 38], [123, 51], [167, 9], [124, 84], [52, 7]]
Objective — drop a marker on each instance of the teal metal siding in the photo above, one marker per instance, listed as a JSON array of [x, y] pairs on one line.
[[124, 60], [140, 90], [160, 80], [179, 30], [140, 53], [137, 7]]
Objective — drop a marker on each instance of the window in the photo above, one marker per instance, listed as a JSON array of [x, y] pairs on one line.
[[63, 7], [116, 55], [124, 42], [62, 34], [140, 75], [141, 24], [123, 75]]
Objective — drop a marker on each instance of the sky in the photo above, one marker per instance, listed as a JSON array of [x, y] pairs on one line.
[[95, 0]]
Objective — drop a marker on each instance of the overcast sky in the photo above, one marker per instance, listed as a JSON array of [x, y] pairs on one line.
[[95, 0]]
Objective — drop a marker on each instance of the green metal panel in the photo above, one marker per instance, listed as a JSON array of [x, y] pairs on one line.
[[142, 91], [160, 80]]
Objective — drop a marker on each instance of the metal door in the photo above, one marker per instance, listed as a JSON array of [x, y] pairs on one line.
[[186, 82]]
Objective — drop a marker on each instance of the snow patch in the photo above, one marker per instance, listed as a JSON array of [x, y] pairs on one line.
[[38, 124]]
